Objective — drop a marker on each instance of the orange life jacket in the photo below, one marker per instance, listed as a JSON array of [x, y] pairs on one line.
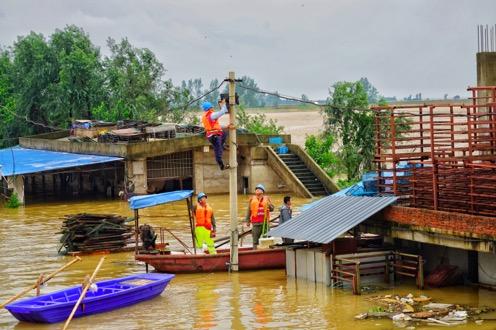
[[212, 127], [259, 209], [203, 216]]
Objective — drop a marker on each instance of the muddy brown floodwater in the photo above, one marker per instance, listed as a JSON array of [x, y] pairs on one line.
[[247, 300]]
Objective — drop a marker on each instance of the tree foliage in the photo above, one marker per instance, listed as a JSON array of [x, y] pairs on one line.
[[320, 149], [351, 124], [257, 123], [373, 96], [52, 81]]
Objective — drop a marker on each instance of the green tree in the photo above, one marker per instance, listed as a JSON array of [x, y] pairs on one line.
[[134, 83], [7, 100], [78, 87], [248, 97], [320, 149], [33, 75], [372, 92], [351, 124], [257, 123], [214, 96]]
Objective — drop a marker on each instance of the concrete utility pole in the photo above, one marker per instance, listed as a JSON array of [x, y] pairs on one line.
[[233, 174]]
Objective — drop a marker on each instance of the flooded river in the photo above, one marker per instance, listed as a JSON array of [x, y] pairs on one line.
[[247, 300]]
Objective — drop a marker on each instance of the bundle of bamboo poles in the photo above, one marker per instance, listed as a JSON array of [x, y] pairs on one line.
[[93, 232]]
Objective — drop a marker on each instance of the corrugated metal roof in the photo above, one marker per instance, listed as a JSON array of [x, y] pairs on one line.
[[18, 160], [331, 217]]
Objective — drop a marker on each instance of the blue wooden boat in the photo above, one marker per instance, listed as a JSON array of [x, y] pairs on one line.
[[111, 294]]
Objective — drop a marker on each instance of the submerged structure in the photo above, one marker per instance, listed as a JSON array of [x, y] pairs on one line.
[[146, 160]]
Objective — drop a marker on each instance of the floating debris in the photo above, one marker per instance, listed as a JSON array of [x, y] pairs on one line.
[[410, 311]]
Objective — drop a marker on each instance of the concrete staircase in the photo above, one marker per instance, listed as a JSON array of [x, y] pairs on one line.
[[304, 174]]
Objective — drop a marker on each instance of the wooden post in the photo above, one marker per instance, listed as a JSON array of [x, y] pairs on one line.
[[420, 274], [83, 293], [386, 268], [357, 278], [136, 231], [189, 202], [233, 175]]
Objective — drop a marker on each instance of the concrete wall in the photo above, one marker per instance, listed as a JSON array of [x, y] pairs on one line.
[[435, 255], [261, 172], [17, 184], [252, 160], [487, 268], [136, 172], [252, 163], [486, 69], [207, 176]]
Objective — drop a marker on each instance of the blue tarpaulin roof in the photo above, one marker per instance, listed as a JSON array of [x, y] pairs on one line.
[[141, 202], [18, 160]]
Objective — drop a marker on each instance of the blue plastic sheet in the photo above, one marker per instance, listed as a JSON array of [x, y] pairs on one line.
[[141, 202], [18, 160]]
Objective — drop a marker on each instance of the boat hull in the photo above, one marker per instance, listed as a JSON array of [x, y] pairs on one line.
[[51, 308], [205, 263]]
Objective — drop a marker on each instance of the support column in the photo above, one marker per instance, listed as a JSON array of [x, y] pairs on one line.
[[486, 69], [17, 184], [136, 172]]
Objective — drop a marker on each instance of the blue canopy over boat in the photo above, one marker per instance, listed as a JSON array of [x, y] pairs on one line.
[[141, 202]]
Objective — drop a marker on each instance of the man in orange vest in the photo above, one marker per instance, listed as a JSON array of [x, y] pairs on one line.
[[204, 223], [258, 214], [214, 132]]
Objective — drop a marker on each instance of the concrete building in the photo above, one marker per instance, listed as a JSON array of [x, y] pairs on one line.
[[159, 165]]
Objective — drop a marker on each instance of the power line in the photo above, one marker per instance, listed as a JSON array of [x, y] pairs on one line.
[[289, 98], [201, 96], [296, 99]]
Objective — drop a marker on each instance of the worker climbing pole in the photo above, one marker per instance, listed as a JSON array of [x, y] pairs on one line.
[[233, 174]]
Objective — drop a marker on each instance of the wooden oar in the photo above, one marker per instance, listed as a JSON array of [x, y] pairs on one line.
[[83, 293], [46, 279]]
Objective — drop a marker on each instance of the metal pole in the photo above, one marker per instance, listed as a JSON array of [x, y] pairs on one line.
[[233, 174], [136, 231], [189, 203], [478, 42]]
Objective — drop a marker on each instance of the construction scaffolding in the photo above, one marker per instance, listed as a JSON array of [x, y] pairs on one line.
[[440, 156]]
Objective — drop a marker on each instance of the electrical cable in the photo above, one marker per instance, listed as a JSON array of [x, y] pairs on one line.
[[296, 99], [201, 96], [289, 98]]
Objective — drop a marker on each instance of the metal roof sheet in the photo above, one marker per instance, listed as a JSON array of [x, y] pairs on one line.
[[331, 217], [18, 160]]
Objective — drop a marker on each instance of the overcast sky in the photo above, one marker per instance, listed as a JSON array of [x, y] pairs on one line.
[[402, 46]]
